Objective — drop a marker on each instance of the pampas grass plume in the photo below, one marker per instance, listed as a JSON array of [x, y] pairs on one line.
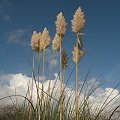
[[77, 54], [45, 39], [78, 21], [35, 41], [60, 24], [56, 43]]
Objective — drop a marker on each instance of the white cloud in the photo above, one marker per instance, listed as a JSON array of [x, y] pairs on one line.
[[10, 82], [18, 36], [19, 82]]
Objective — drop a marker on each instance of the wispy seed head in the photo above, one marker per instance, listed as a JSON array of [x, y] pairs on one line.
[[35, 41], [78, 21], [60, 24], [45, 39], [77, 54], [56, 43]]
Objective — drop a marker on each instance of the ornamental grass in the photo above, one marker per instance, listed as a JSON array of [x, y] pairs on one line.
[[58, 101]]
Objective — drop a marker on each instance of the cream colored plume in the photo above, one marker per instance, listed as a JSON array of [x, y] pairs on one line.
[[78, 21], [45, 39], [60, 24], [35, 40], [56, 43], [77, 55]]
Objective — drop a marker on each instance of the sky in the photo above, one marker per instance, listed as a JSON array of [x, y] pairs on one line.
[[101, 39]]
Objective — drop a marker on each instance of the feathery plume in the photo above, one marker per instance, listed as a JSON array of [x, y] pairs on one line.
[[56, 43], [78, 21], [60, 24], [77, 54], [35, 40], [45, 39]]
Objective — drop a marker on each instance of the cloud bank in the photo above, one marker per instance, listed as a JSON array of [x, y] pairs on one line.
[[11, 84]]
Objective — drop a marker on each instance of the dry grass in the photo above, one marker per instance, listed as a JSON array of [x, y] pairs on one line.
[[63, 107]]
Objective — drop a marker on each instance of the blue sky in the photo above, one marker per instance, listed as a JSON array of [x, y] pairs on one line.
[[19, 18]]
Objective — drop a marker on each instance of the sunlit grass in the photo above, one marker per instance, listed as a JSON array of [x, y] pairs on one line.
[[58, 102]]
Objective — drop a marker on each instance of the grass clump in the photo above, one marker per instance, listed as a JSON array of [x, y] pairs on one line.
[[59, 102]]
